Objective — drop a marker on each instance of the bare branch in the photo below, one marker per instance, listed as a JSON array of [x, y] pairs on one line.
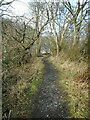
[[5, 3]]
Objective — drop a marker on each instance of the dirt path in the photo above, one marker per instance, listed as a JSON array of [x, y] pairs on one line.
[[49, 102]]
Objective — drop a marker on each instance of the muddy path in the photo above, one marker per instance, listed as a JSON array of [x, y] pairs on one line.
[[49, 102]]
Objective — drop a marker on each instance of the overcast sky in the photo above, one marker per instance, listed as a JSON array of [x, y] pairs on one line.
[[21, 6]]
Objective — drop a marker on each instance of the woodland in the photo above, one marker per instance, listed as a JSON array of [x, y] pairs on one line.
[[51, 39]]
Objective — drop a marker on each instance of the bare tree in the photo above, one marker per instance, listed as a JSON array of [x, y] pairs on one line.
[[78, 14], [54, 13], [41, 20]]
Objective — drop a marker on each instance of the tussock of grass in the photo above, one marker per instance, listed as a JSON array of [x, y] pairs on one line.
[[21, 93], [77, 90]]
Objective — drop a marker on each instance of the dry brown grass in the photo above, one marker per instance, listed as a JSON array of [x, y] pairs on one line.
[[73, 77]]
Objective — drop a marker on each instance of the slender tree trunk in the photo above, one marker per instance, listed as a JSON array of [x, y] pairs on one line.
[[57, 45], [76, 35], [38, 46]]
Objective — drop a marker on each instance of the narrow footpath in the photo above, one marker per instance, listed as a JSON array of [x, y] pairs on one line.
[[49, 102]]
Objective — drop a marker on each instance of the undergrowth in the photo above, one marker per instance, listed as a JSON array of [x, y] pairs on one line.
[[73, 77], [20, 86]]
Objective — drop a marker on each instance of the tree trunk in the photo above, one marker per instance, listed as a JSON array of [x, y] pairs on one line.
[[74, 39], [76, 35], [38, 46], [57, 45]]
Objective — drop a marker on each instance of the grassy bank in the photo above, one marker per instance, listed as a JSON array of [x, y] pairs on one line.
[[73, 77], [21, 86]]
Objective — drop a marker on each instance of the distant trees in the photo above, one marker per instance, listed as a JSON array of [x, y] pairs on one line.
[[54, 14], [41, 19], [59, 20]]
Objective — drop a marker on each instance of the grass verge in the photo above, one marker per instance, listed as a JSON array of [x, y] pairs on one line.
[[73, 77], [22, 85]]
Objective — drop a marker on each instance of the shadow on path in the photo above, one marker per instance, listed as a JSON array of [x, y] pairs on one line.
[[49, 102]]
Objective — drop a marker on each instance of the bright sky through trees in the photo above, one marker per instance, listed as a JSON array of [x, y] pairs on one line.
[[21, 6]]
